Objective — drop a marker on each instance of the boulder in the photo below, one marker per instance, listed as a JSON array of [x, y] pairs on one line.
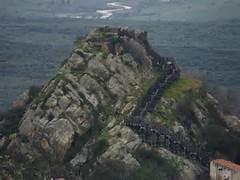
[[122, 143], [60, 135], [80, 158], [97, 68], [75, 62], [233, 122], [189, 170]]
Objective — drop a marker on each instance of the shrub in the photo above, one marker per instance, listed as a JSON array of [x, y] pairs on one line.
[[34, 91], [111, 170], [182, 86], [229, 99], [220, 140], [9, 120], [99, 147], [184, 111], [154, 167], [104, 53]]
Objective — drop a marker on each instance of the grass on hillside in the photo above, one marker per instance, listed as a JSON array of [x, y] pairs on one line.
[[165, 112], [154, 167], [181, 87]]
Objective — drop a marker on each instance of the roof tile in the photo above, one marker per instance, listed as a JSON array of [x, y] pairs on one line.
[[227, 164]]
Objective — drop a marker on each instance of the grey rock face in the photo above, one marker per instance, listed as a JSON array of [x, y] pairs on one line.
[[190, 170], [3, 141], [122, 143], [91, 79], [75, 62], [97, 68], [233, 122], [80, 159], [60, 133]]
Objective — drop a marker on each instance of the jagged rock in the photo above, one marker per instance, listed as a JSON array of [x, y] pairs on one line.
[[61, 135], [92, 85], [52, 101], [122, 143], [212, 99], [63, 102], [3, 141], [128, 59], [233, 122], [115, 87], [201, 118], [87, 101], [127, 108], [97, 68], [82, 90], [21, 150], [178, 128], [84, 86], [139, 53], [80, 159], [75, 62], [189, 170]]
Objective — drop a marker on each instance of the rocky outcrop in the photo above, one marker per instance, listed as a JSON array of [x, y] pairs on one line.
[[111, 99], [123, 142], [92, 78], [233, 122]]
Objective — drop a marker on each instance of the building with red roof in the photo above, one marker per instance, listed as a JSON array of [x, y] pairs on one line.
[[221, 169]]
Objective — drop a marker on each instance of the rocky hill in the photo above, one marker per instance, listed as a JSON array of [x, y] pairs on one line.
[[116, 110]]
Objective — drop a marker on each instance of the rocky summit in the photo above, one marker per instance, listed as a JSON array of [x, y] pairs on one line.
[[116, 109]]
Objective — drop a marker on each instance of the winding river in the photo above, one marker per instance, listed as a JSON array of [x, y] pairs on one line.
[[115, 7]]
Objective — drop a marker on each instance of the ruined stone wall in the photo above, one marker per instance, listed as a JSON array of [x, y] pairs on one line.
[[157, 135]]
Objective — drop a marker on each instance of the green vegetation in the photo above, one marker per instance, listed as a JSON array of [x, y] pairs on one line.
[[181, 87], [77, 144], [166, 114], [104, 133], [91, 48], [108, 110], [154, 167], [218, 137], [13, 136], [104, 34], [40, 97], [111, 170], [33, 92], [144, 87], [9, 120], [78, 73], [99, 147], [148, 83], [182, 92], [104, 53], [177, 162], [86, 47], [59, 76]]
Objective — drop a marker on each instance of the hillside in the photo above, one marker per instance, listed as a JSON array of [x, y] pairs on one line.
[[116, 110]]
